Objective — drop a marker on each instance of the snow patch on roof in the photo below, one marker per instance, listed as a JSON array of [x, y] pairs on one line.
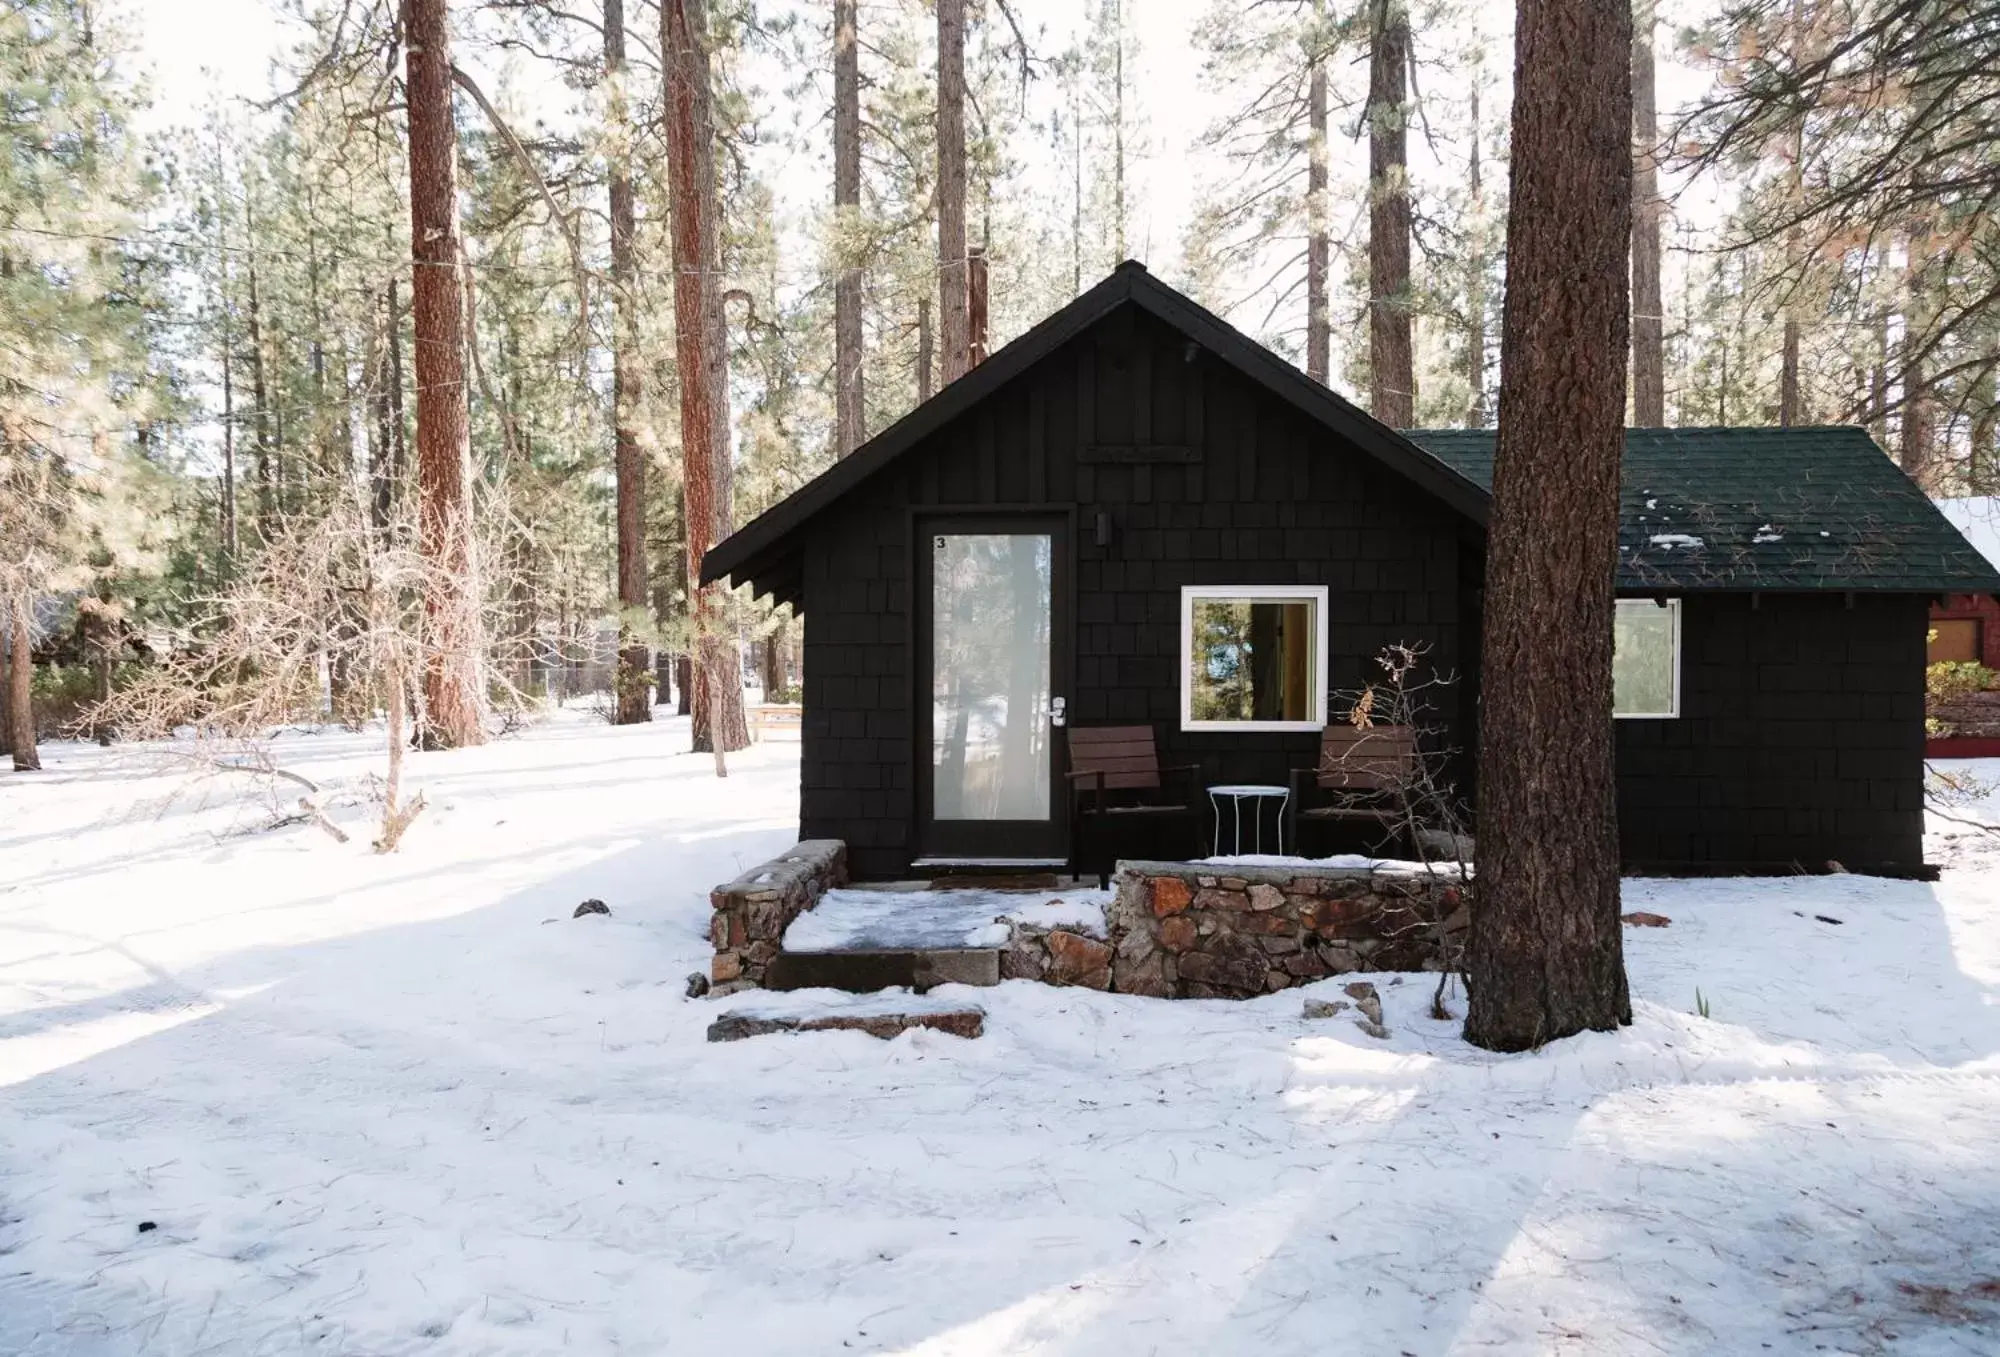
[[1670, 540]]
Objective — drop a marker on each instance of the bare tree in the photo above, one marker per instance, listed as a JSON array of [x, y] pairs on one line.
[[255, 661], [1392, 378], [850, 410], [454, 702], [953, 326], [1547, 956], [634, 696], [1649, 355], [718, 689]]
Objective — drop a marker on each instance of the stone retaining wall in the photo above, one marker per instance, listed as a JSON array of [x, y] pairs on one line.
[[753, 911], [1191, 931], [1174, 930]]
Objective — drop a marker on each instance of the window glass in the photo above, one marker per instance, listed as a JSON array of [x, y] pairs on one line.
[[1646, 662], [990, 598], [1252, 657], [1954, 640]]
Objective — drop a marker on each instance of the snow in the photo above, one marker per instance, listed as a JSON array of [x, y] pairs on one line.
[[406, 1104], [1978, 517], [1670, 540], [824, 1003], [1338, 860], [872, 919], [1767, 533]]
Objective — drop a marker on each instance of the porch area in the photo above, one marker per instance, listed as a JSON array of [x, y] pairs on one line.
[[1227, 928]]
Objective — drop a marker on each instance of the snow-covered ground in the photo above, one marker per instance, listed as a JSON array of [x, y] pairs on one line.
[[409, 1105]]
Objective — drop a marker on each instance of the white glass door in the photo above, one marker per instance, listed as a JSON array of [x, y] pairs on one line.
[[993, 708]]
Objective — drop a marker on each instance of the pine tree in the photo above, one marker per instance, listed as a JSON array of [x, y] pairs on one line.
[[1546, 956], [684, 39], [454, 699]]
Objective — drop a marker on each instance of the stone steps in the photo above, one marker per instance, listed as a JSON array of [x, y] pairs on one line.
[[862, 971]]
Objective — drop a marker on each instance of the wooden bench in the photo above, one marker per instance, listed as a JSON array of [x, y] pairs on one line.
[[1117, 788], [766, 717], [1364, 774]]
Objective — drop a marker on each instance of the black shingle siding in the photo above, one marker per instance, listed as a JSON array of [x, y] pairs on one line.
[[1800, 741]]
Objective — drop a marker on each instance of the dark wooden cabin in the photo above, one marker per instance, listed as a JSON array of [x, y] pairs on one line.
[[1103, 521]]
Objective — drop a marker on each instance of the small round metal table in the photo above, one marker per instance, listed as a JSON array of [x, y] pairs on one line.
[[1254, 793]]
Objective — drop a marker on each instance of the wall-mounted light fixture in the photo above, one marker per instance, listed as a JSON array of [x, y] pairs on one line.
[[1104, 527]]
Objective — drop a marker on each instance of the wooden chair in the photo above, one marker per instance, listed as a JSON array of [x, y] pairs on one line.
[[1363, 777], [1119, 798]]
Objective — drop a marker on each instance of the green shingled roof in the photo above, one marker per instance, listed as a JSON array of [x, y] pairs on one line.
[[1764, 508]]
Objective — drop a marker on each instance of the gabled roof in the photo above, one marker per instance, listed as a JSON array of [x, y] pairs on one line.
[[757, 551], [1765, 508], [1746, 508]]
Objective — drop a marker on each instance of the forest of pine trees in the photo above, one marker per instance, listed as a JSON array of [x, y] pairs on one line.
[[525, 296]]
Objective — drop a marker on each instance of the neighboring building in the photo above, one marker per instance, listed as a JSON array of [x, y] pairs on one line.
[[1133, 514], [1967, 626]]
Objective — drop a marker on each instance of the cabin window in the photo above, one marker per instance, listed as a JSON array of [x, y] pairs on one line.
[[1646, 658], [1954, 640], [1253, 657]]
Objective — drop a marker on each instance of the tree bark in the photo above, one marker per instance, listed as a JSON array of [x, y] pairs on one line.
[[382, 441], [1649, 357], [850, 411], [259, 392], [229, 539], [21, 689], [634, 691], [453, 700], [1546, 955], [1319, 327], [923, 349], [1391, 361], [1791, 401], [718, 705], [953, 330], [1916, 433], [1475, 283]]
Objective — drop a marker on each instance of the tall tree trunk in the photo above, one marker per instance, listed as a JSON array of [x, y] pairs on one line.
[[399, 448], [632, 684], [229, 540], [6, 690], [453, 700], [260, 394], [953, 329], [923, 349], [20, 688], [1649, 358], [1916, 433], [1319, 326], [1117, 130], [1475, 282], [382, 441], [1546, 955], [718, 705], [850, 413], [1791, 403], [1391, 360]]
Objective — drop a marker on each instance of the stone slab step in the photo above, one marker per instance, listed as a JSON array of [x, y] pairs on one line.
[[864, 971], [883, 1016]]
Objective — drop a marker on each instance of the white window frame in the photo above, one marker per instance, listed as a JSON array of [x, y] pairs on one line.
[[1673, 607], [1194, 593]]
